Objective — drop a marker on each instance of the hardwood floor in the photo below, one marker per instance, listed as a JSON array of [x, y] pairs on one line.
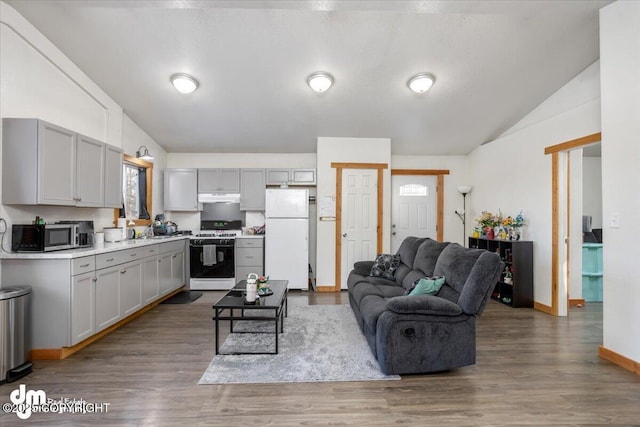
[[531, 369]]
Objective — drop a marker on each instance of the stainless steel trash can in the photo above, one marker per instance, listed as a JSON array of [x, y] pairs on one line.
[[15, 333]]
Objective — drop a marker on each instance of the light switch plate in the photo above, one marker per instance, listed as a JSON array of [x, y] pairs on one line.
[[614, 221]]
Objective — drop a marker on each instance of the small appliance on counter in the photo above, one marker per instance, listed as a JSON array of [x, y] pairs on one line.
[[41, 237], [112, 234]]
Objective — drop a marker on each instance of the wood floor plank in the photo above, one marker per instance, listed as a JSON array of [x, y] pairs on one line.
[[532, 369]]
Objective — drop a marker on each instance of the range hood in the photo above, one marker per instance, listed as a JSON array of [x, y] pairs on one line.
[[218, 198]]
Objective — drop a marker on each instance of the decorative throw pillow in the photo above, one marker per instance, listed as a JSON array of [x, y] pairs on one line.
[[385, 266], [427, 286]]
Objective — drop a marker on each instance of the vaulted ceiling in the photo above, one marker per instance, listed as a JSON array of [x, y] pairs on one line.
[[494, 61]]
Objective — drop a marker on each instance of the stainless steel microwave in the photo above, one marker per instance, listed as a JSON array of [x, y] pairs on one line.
[[43, 237]]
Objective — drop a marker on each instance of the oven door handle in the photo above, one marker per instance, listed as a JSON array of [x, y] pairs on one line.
[[193, 245]]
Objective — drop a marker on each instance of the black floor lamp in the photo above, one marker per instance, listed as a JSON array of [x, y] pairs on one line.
[[462, 214]]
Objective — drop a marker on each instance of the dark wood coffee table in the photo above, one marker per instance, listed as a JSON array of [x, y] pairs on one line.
[[267, 308]]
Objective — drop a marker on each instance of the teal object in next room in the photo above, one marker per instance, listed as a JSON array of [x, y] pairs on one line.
[[592, 272]]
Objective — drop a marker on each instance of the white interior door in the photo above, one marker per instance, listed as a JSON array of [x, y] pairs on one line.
[[413, 207], [359, 218]]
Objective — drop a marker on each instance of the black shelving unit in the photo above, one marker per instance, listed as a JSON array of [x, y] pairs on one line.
[[518, 256]]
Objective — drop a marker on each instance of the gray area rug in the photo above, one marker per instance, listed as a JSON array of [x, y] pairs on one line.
[[319, 343]]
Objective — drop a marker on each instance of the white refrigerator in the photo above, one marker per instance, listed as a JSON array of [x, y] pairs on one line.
[[286, 255]]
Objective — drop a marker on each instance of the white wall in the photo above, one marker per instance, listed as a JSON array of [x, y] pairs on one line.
[[592, 189], [620, 65], [512, 173], [458, 167], [356, 150], [132, 138], [38, 81]]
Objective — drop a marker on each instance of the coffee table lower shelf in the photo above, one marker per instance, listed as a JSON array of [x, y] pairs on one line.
[[233, 301]]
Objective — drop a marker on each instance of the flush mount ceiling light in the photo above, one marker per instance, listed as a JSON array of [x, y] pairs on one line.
[[420, 83], [184, 83], [320, 81]]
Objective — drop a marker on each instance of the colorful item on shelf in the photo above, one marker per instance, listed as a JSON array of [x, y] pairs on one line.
[[499, 227]]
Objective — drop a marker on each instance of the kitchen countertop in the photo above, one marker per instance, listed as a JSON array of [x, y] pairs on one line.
[[250, 236], [81, 252]]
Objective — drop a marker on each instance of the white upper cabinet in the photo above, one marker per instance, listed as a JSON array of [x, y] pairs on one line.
[[291, 176], [180, 189], [220, 180], [113, 177], [90, 166], [252, 190], [56, 154], [45, 164]]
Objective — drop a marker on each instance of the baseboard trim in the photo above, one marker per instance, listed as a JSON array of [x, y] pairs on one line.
[[618, 359], [576, 301], [326, 288], [64, 352], [544, 308]]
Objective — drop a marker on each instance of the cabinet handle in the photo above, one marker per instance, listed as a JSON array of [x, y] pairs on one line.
[[77, 199], [248, 257], [123, 271], [152, 250], [109, 259], [84, 266], [95, 279], [159, 260], [133, 255], [175, 256]]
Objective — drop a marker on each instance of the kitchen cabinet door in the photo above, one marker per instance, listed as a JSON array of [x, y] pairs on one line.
[[130, 287], [181, 189], [252, 190], [83, 298], [164, 273], [57, 165], [303, 176], [177, 269], [277, 176], [220, 180], [150, 280], [90, 163], [113, 177], [107, 297]]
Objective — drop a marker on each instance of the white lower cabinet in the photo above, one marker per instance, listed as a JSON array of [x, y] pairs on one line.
[[83, 297], [164, 273], [249, 257], [150, 282], [76, 298], [107, 297], [130, 288], [177, 269]]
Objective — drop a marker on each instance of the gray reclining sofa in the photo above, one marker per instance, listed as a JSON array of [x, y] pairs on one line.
[[411, 334]]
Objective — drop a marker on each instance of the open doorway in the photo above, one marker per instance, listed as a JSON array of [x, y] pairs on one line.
[[588, 275], [567, 224]]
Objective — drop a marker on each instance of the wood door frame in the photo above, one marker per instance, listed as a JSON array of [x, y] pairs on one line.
[[440, 173], [338, 251], [555, 151]]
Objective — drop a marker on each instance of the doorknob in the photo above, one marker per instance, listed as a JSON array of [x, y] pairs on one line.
[[344, 234]]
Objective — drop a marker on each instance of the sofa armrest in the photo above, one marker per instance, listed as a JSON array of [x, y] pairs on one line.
[[363, 268], [423, 304]]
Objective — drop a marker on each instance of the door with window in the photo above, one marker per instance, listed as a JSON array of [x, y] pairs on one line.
[[413, 207]]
